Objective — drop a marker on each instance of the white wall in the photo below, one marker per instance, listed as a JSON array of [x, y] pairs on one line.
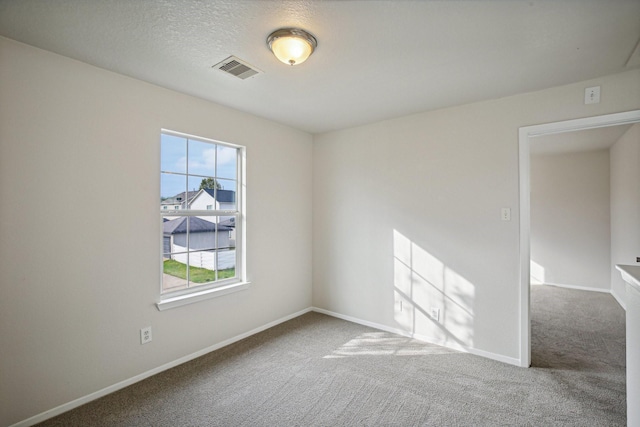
[[409, 209], [80, 274], [570, 219], [625, 206], [403, 209]]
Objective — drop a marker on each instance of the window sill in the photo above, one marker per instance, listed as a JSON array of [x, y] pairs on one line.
[[181, 300]]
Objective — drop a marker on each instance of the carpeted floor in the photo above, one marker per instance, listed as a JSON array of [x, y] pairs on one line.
[[316, 370]]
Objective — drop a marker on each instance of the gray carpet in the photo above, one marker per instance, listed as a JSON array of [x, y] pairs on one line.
[[316, 370]]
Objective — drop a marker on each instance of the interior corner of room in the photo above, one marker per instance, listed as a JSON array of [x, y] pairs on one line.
[[428, 223]]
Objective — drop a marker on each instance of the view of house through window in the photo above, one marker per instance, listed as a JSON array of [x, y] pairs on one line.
[[199, 182]]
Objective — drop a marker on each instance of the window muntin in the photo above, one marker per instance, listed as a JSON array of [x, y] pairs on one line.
[[199, 184]]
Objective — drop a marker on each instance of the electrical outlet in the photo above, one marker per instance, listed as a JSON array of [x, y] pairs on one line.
[[435, 314], [505, 214], [638, 259], [145, 335]]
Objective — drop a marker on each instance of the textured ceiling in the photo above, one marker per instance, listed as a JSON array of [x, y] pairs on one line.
[[375, 59]]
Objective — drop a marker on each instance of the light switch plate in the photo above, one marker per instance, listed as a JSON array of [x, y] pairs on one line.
[[592, 95]]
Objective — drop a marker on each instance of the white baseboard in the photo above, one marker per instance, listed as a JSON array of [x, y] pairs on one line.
[[122, 384], [619, 299], [580, 288], [615, 296], [482, 353]]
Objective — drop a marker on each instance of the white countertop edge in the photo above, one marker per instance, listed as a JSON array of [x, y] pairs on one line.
[[630, 274]]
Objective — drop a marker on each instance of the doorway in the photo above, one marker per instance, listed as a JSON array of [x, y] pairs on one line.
[[526, 138]]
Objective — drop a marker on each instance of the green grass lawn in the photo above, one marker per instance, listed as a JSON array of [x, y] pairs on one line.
[[196, 274]]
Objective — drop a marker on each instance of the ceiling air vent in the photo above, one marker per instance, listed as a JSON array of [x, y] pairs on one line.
[[237, 67]]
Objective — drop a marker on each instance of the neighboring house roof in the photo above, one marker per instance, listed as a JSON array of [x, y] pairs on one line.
[[229, 222], [223, 196], [196, 225], [180, 198]]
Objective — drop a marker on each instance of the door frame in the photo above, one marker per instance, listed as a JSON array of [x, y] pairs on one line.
[[526, 136]]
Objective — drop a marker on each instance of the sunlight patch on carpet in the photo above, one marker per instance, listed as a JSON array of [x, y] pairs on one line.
[[386, 344]]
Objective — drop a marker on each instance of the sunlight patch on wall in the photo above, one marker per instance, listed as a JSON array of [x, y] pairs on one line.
[[422, 283], [537, 273]]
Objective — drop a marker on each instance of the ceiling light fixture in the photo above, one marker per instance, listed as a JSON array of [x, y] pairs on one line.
[[291, 45]]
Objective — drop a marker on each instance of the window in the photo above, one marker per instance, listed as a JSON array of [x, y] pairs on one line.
[[200, 207]]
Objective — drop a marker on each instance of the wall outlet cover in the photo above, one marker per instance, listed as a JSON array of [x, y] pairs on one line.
[[145, 335]]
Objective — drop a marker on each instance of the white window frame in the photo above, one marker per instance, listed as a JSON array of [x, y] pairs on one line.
[[217, 288]]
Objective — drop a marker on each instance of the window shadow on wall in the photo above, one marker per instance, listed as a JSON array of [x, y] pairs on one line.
[[431, 300]]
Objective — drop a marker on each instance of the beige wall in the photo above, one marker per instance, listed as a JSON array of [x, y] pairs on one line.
[[570, 219], [80, 230], [409, 209], [405, 209], [625, 206]]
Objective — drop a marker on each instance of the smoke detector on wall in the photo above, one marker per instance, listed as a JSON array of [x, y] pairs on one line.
[[237, 67]]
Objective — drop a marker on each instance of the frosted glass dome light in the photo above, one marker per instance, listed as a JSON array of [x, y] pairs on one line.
[[292, 46]]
